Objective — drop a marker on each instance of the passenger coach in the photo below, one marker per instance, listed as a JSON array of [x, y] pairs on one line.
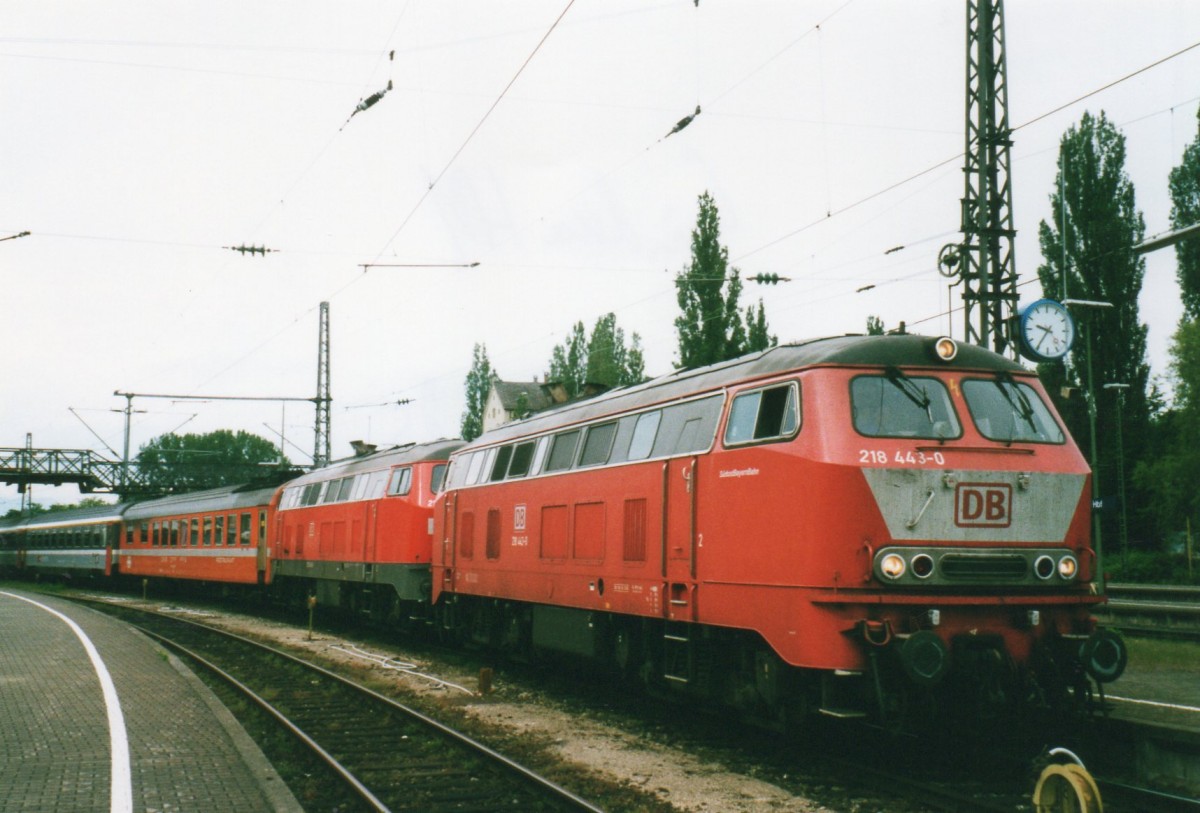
[[219, 535], [842, 525]]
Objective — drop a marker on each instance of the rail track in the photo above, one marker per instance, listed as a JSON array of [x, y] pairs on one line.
[[925, 775], [381, 753], [1162, 611]]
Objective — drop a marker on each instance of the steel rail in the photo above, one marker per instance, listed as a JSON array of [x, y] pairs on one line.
[[330, 761], [513, 767]]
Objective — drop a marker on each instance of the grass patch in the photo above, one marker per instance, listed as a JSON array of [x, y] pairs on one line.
[[1150, 653]]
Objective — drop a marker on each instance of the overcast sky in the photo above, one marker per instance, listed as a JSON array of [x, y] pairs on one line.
[[140, 138]]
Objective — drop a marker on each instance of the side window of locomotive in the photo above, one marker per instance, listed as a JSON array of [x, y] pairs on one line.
[[644, 432], [438, 478], [401, 482], [597, 444], [500, 466], [522, 457], [901, 406], [539, 454], [562, 452], [767, 414], [1007, 411], [473, 467], [688, 427]]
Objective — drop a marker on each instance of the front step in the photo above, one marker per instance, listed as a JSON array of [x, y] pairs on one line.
[[839, 691]]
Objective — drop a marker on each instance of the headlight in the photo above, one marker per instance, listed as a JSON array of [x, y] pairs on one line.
[[1068, 567], [1044, 567], [922, 565], [946, 348], [892, 566]]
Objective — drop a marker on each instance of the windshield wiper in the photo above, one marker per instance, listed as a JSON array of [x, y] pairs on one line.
[[911, 391], [1020, 403]]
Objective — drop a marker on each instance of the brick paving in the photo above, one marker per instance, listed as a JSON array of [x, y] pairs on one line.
[[186, 751]]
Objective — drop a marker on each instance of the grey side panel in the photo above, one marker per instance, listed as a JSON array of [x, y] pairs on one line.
[[411, 582]]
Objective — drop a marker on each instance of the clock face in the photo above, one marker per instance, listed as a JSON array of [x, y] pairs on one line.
[[1047, 330]]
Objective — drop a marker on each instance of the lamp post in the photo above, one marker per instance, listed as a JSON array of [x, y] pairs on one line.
[[1096, 540], [1120, 390]]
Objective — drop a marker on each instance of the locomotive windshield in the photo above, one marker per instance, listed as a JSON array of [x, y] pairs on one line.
[[898, 406], [1006, 410]]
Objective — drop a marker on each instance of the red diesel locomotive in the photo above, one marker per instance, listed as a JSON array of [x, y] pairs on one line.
[[358, 533], [844, 525]]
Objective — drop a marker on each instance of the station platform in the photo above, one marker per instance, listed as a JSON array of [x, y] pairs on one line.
[[96, 717]]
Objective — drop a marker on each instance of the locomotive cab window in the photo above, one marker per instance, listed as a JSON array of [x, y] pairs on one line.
[[1008, 411], [437, 478], [644, 432], [401, 482], [772, 413], [896, 405], [500, 467]]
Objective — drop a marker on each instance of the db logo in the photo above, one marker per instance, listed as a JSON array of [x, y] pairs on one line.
[[983, 505]]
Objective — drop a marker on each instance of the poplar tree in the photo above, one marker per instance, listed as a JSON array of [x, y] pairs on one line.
[[1089, 243], [710, 327], [1184, 183], [478, 384]]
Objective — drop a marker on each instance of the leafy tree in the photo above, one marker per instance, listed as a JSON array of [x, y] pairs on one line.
[[1170, 467], [758, 337], [1185, 211], [874, 326], [194, 462], [569, 361], [1095, 215], [601, 358], [710, 326], [478, 385]]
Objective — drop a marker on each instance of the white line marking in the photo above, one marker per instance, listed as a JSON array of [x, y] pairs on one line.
[[121, 799], [1172, 706]]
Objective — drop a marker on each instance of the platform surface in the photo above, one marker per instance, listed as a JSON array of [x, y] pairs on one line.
[[149, 738]]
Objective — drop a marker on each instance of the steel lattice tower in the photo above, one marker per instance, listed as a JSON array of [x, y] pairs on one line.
[[984, 261], [323, 399]]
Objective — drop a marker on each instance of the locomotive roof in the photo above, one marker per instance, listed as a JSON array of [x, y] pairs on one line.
[[908, 350], [383, 459], [214, 499], [77, 516]]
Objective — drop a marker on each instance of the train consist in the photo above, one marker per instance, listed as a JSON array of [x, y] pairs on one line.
[[862, 525]]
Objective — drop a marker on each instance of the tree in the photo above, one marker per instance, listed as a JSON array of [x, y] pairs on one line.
[[569, 360], [758, 337], [478, 385], [710, 325], [195, 462], [874, 326], [1089, 243], [1185, 211], [602, 358]]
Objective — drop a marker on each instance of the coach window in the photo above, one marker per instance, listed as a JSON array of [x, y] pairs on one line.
[[155, 537], [231, 531], [208, 531], [194, 537], [144, 532], [401, 482], [262, 527], [562, 452], [522, 457], [895, 405], [219, 529], [500, 466], [597, 444], [244, 530], [766, 414]]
